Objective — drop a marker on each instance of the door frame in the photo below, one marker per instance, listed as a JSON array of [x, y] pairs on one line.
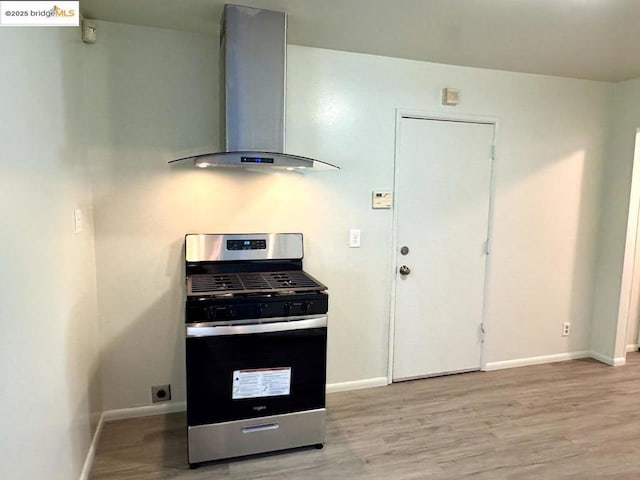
[[451, 117], [628, 276]]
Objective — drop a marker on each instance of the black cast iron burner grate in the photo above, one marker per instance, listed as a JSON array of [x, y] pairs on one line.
[[251, 282]]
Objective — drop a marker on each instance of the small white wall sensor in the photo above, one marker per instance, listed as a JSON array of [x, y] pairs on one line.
[[450, 96], [89, 28]]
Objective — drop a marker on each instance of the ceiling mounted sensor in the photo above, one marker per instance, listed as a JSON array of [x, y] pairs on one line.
[[254, 50]]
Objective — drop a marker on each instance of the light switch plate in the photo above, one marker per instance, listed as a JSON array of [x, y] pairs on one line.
[[381, 199], [77, 220], [354, 238]]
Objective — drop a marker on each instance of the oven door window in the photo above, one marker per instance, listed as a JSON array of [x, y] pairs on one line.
[[235, 377]]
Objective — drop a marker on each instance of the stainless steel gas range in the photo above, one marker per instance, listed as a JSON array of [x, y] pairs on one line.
[[256, 337]]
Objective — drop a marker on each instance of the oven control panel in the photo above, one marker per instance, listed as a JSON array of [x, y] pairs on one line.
[[246, 244], [240, 247], [228, 309]]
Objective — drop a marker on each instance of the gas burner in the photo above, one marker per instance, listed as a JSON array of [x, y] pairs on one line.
[[252, 282]]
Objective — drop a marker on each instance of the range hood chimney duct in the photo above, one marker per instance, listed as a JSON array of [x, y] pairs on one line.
[[254, 50]]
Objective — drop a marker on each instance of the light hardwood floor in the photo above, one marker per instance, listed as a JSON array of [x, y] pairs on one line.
[[570, 420]]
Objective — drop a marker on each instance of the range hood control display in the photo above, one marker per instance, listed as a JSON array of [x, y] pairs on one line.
[[256, 160], [246, 244]]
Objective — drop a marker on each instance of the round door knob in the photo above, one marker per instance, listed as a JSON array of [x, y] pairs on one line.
[[404, 270]]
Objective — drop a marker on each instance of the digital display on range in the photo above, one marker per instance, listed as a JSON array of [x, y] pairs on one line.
[[246, 244], [256, 160]]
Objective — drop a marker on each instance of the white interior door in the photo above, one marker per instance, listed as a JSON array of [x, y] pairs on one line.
[[443, 184]]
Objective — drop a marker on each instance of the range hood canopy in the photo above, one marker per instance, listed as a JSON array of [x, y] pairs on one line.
[[255, 160], [253, 65]]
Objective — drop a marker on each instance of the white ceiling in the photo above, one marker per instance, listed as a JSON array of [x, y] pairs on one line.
[[592, 39]]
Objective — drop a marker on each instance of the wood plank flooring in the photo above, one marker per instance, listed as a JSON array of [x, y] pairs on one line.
[[570, 420]]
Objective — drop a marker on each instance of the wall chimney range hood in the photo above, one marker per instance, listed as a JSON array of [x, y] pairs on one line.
[[254, 49]]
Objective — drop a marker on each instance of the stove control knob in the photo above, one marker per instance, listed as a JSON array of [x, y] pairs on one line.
[[297, 308], [215, 313]]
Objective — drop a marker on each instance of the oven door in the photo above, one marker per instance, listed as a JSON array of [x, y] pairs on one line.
[[251, 370]]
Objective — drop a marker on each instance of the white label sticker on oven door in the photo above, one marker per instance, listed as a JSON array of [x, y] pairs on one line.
[[261, 382]]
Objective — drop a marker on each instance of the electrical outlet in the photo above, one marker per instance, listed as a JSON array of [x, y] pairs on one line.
[[161, 393], [566, 329]]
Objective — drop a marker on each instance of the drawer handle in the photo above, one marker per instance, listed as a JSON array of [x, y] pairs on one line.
[[260, 428]]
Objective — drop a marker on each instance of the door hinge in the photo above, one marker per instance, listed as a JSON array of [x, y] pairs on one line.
[[485, 247], [492, 152], [482, 329]]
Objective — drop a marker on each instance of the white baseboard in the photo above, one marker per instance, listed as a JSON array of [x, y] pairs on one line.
[[619, 361], [632, 348], [133, 412], [601, 358], [91, 454], [144, 411], [523, 362], [357, 384], [614, 362]]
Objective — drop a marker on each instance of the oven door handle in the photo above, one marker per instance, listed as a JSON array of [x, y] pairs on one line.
[[296, 323]]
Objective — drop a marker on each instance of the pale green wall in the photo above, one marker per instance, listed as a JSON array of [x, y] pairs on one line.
[[118, 110], [551, 140], [156, 91], [615, 268], [49, 353]]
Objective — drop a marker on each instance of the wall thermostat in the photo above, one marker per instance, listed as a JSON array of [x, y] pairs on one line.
[[382, 199]]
